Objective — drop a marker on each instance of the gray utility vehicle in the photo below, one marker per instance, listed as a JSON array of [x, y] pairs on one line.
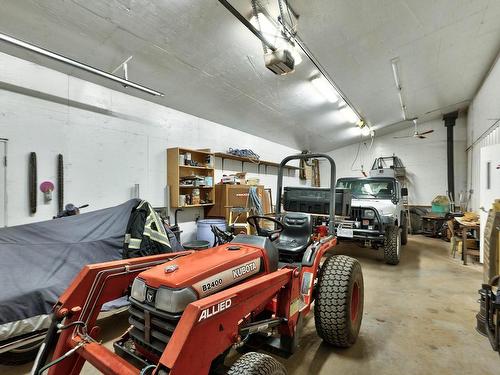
[[377, 217]]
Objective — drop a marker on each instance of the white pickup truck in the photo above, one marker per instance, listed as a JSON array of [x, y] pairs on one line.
[[377, 217]]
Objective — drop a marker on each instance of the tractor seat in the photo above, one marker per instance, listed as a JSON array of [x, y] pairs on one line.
[[296, 236], [262, 242]]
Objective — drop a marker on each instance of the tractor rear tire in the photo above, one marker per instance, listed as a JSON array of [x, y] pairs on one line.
[[257, 364], [392, 245], [338, 308], [404, 230]]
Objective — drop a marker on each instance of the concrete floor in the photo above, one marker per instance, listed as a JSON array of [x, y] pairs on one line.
[[419, 317]]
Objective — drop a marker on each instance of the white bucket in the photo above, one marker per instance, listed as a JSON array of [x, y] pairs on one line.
[[204, 232]]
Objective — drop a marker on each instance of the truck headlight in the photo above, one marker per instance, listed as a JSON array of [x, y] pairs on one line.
[[138, 290], [368, 214], [174, 301]]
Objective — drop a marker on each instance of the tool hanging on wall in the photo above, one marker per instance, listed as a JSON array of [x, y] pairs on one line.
[[303, 164], [316, 182], [60, 183], [32, 180]]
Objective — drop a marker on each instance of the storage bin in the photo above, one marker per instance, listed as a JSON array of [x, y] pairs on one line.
[[204, 231]]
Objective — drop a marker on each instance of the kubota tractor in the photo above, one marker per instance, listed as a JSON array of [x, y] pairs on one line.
[[189, 309]]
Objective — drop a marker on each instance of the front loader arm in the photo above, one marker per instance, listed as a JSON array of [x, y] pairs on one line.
[[95, 285], [206, 329]]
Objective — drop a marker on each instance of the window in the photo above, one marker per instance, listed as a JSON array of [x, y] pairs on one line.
[[369, 188]]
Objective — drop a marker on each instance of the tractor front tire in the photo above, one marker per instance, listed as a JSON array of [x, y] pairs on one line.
[[338, 308], [257, 364], [392, 245]]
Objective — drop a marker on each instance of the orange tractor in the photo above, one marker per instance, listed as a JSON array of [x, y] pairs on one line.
[[189, 309]]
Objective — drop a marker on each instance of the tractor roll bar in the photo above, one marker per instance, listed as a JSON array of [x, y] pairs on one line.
[[279, 188]]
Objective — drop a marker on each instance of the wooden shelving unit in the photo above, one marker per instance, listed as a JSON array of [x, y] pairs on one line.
[[176, 171], [244, 160]]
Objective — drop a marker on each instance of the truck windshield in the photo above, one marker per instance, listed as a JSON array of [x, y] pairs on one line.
[[368, 188]]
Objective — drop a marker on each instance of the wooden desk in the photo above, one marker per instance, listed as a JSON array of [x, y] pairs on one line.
[[465, 227]]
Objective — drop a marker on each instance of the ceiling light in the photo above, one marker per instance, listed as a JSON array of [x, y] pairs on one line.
[[365, 131], [397, 81], [395, 72], [66, 60], [325, 88], [349, 115]]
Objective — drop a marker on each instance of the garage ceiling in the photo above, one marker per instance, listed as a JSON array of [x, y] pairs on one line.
[[209, 65]]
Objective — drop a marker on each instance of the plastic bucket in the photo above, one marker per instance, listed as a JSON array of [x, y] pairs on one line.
[[204, 232]]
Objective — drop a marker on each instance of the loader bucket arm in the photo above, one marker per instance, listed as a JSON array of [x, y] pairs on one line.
[[197, 335], [95, 285]]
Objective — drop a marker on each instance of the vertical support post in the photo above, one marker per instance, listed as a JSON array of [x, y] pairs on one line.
[[449, 122]]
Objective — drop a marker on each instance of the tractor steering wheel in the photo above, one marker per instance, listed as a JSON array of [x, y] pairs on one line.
[[271, 234]]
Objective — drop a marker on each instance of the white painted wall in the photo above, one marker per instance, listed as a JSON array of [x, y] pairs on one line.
[[425, 159], [110, 141], [483, 128]]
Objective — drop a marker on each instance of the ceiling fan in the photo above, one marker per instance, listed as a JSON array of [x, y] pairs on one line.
[[416, 134]]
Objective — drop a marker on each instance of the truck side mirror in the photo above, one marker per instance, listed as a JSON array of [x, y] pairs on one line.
[[404, 192]]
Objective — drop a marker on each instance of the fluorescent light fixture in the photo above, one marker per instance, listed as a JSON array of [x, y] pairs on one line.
[[395, 72], [349, 115], [397, 81], [325, 88], [68, 61]]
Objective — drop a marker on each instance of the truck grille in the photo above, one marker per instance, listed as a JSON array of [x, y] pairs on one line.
[[356, 213], [151, 328], [357, 217]]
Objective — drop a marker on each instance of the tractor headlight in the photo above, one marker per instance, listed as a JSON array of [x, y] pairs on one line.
[[368, 214], [174, 301], [138, 290]]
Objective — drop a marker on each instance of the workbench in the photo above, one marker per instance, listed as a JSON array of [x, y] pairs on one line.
[[464, 227], [432, 225]]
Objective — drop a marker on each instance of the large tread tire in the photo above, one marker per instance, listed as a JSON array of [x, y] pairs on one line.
[[404, 230], [392, 245], [338, 308], [257, 364]]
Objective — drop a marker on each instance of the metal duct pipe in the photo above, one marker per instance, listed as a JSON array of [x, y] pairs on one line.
[[66, 60], [449, 122]]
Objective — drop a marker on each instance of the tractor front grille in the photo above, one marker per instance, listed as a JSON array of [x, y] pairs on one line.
[[151, 329]]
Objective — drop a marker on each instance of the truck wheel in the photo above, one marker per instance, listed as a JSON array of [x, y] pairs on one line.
[[404, 231], [392, 245], [257, 364], [338, 308]]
